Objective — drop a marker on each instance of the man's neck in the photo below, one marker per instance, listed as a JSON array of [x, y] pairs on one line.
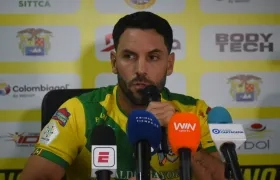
[[125, 104]]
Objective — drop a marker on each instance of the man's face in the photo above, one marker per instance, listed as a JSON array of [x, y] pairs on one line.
[[141, 59]]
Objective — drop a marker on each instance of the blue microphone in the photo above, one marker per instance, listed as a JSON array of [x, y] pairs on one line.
[[220, 115], [144, 132]]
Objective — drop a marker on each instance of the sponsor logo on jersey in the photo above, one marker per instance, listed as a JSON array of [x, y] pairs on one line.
[[49, 133], [165, 157], [37, 151], [62, 116]]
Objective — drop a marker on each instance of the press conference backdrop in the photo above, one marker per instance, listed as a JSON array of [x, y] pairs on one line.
[[227, 53]]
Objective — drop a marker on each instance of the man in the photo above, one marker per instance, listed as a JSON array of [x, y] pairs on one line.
[[143, 56]]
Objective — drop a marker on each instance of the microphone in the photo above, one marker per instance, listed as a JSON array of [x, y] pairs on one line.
[[152, 93], [227, 137], [184, 137], [143, 131], [103, 153], [219, 115]]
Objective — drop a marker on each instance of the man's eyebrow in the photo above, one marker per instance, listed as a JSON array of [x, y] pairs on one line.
[[156, 51], [128, 51], [132, 52]]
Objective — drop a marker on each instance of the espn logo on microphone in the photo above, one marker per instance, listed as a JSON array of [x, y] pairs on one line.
[[104, 156]]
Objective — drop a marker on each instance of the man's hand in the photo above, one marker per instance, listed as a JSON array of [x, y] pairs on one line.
[[163, 111], [207, 166]]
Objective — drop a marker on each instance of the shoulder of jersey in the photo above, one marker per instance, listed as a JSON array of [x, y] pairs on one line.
[[181, 98], [97, 94]]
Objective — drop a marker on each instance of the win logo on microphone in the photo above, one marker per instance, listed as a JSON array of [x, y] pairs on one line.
[[184, 127], [103, 156]]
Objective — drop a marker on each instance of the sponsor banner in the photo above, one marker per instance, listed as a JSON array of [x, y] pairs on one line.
[[240, 6], [176, 82], [26, 91], [104, 42], [227, 43], [129, 6], [267, 172], [17, 139], [242, 89], [39, 6], [44, 43], [261, 136]]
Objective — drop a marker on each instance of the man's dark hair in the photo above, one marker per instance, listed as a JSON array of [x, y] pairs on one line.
[[144, 20]]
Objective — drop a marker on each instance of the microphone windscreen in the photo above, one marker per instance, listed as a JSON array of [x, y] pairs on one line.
[[143, 125], [184, 132], [103, 135], [152, 93], [219, 115]]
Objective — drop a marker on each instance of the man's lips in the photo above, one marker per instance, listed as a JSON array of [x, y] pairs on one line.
[[140, 85]]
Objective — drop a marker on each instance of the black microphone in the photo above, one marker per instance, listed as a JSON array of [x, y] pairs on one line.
[[152, 93], [104, 153], [229, 153]]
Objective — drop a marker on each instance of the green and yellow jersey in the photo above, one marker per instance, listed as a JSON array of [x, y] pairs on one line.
[[65, 140]]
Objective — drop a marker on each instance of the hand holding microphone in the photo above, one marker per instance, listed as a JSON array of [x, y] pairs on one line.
[[162, 110], [184, 138]]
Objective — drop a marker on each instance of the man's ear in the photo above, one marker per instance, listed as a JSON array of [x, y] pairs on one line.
[[170, 64], [113, 57]]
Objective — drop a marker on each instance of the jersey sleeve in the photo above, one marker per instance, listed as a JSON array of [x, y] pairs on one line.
[[207, 142], [60, 139]]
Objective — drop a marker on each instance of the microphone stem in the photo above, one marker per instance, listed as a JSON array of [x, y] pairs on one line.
[[103, 175], [228, 150], [185, 163], [163, 144], [143, 158]]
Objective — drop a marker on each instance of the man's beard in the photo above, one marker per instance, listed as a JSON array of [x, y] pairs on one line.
[[138, 100]]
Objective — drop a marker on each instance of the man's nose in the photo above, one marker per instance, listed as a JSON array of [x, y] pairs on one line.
[[142, 66]]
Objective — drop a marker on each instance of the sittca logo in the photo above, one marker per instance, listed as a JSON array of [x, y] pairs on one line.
[[34, 3]]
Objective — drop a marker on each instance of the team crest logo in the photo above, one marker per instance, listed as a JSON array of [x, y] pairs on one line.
[[62, 116], [170, 156], [34, 42], [245, 88], [140, 4]]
